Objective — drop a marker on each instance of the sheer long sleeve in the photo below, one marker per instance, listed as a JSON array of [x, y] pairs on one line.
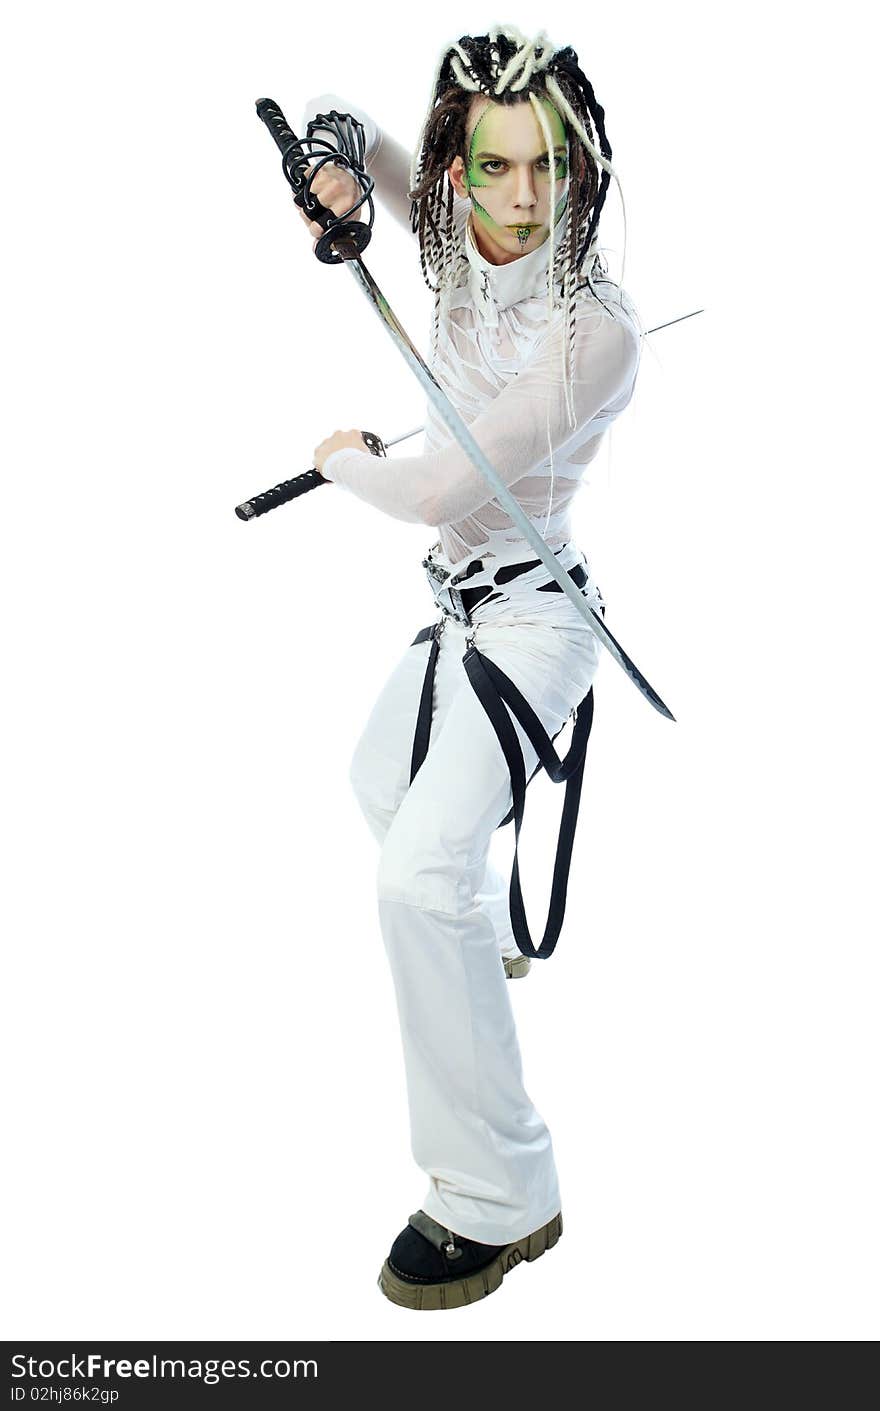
[[386, 160], [516, 430]]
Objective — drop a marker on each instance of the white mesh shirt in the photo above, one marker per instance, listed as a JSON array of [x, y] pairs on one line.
[[500, 361]]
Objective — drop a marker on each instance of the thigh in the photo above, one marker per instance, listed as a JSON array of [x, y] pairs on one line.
[[553, 662], [436, 849], [380, 765]]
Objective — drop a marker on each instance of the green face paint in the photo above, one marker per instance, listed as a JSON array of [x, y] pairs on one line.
[[499, 128]]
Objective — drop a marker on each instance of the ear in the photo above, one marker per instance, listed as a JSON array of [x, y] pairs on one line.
[[456, 176]]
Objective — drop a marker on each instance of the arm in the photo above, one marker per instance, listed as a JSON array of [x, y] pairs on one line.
[[386, 160], [512, 431]]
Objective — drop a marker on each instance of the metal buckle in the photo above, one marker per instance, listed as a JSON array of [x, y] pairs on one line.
[[448, 597], [438, 574], [459, 611]]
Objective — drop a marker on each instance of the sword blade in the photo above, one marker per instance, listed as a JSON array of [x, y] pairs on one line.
[[671, 321], [406, 435], [462, 434]]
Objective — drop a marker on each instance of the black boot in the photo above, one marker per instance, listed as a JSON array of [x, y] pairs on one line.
[[431, 1267]]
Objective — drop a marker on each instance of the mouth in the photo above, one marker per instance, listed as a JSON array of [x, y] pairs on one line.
[[523, 232]]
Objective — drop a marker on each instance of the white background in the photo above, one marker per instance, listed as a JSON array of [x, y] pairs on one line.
[[205, 1100]]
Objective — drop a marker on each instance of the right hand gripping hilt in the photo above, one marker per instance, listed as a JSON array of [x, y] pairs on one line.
[[297, 154]]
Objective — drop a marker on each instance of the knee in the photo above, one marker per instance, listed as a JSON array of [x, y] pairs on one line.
[[373, 777], [372, 788], [358, 776], [416, 868]]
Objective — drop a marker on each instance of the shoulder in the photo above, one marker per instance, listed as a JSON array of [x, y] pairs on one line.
[[602, 294], [607, 326], [617, 304]]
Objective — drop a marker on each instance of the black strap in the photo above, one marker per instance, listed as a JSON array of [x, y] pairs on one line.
[[496, 691], [426, 703]]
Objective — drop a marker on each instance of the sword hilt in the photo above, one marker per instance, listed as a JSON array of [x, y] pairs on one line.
[[299, 485], [350, 236]]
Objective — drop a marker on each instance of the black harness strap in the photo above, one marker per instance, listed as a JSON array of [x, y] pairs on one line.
[[496, 691], [426, 703]]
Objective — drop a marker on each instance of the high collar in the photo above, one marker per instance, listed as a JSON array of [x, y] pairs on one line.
[[494, 287]]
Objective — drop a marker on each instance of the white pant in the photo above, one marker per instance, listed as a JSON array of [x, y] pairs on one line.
[[443, 907]]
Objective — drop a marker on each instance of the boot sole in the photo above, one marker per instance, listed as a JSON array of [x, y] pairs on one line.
[[458, 1293]]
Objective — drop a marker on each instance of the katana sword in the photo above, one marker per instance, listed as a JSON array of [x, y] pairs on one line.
[[343, 241]]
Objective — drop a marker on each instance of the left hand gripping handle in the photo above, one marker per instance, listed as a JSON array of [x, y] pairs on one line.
[[299, 485]]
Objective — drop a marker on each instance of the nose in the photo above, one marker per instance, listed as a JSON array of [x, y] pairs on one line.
[[525, 196]]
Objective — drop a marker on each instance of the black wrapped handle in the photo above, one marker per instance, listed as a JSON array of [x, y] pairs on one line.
[[299, 485], [343, 237]]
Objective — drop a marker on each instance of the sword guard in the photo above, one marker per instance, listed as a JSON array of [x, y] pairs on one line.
[[375, 445], [353, 236]]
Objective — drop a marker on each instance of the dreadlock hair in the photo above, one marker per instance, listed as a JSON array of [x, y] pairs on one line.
[[507, 68]]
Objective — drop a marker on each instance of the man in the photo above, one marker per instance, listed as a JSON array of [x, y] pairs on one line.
[[539, 353]]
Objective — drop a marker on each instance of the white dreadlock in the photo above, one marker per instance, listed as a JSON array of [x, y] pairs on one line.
[[530, 56]]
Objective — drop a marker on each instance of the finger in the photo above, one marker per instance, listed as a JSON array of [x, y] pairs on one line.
[[314, 228], [334, 189], [319, 188]]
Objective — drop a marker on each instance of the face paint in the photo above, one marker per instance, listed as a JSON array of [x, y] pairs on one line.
[[503, 130]]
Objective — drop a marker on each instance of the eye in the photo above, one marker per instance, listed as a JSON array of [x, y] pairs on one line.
[[494, 165]]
